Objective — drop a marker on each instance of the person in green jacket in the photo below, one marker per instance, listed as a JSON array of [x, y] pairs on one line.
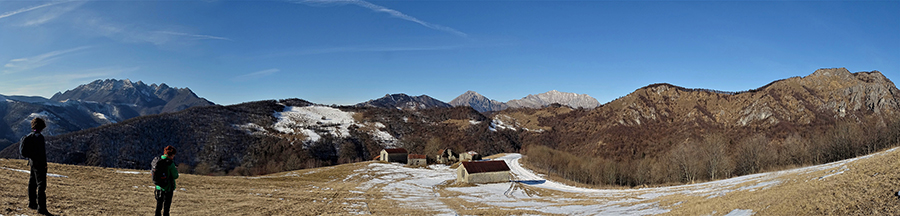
[[165, 191]]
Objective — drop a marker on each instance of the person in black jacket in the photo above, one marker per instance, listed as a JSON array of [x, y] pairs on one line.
[[32, 147]]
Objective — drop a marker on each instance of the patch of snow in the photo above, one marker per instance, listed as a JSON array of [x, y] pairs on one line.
[[385, 137], [413, 187], [416, 188], [29, 172], [250, 128], [315, 121], [43, 114], [304, 119], [505, 122], [740, 212], [497, 123], [103, 117], [132, 172], [473, 122], [834, 172]]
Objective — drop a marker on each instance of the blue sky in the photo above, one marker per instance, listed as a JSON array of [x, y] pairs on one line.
[[345, 52]]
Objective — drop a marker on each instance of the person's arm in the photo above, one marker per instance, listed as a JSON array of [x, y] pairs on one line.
[[173, 170]]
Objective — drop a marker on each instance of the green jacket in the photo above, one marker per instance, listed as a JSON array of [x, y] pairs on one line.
[[173, 172]]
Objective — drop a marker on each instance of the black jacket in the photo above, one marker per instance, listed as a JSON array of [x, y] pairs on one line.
[[33, 145]]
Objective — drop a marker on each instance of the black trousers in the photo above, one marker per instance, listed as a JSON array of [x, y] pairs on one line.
[[37, 186], [163, 202]]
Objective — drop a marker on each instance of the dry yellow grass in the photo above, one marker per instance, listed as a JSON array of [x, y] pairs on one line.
[[462, 124], [103, 191], [866, 187], [530, 120]]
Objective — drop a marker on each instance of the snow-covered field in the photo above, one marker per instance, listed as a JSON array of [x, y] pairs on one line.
[[314, 121], [426, 188]]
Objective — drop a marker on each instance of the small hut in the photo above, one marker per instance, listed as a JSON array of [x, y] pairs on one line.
[[394, 155], [469, 156], [446, 156], [416, 160], [483, 172]]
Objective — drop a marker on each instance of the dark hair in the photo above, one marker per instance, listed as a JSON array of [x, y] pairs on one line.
[[37, 124], [169, 150]]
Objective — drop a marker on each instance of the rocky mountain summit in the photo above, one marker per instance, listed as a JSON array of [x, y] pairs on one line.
[[551, 97], [147, 99], [483, 104], [478, 102], [827, 93], [406, 102]]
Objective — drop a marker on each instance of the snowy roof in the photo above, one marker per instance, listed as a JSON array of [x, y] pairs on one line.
[[485, 166], [395, 150], [415, 156]]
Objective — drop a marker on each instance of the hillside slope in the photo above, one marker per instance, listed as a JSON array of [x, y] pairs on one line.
[[663, 133], [864, 185], [403, 101], [272, 136]]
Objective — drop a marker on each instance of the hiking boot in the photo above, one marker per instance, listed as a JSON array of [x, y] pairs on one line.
[[32, 206], [44, 212]]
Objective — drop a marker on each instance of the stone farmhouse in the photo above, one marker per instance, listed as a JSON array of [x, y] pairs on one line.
[[483, 172], [394, 155], [416, 160]]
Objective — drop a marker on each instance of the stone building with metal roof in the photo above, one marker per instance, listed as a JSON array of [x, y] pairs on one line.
[[394, 155], [483, 172]]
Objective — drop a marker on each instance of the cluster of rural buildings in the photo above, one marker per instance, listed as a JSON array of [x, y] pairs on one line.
[[472, 169]]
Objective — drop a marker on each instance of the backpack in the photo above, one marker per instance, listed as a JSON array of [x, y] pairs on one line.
[[27, 151], [159, 171]]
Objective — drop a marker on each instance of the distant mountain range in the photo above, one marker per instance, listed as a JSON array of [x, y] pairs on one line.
[[91, 105], [484, 104], [481, 103], [830, 115]]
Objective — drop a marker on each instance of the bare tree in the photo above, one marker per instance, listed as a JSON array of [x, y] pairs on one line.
[[714, 150]]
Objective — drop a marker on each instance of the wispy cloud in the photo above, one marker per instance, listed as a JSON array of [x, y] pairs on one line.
[[195, 36], [255, 75], [136, 34], [51, 14], [382, 9], [358, 49], [29, 63], [373, 49], [23, 10]]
